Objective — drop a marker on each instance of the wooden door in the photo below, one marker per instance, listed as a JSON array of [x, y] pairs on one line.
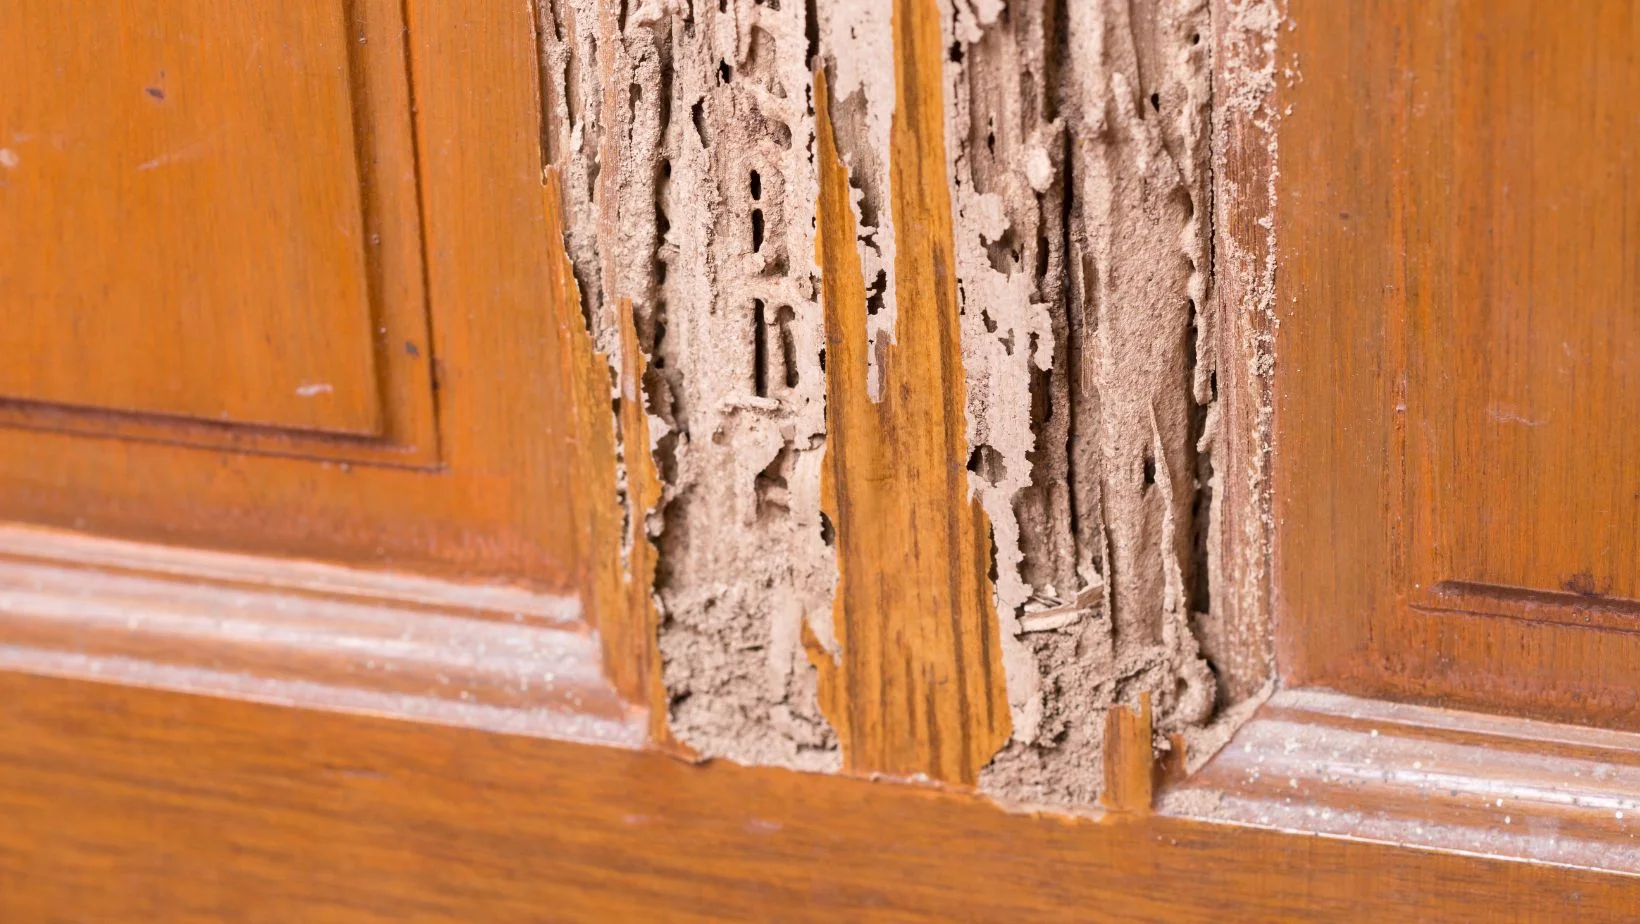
[[313, 605]]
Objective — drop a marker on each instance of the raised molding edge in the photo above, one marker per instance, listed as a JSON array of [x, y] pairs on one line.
[[1316, 762], [306, 634]]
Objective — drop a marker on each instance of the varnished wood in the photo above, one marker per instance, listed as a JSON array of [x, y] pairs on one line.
[[134, 805], [1522, 446], [616, 582], [490, 503], [1457, 403], [182, 219], [916, 686]]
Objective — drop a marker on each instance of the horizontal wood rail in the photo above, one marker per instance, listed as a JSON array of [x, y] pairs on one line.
[[1323, 763], [126, 804], [359, 803]]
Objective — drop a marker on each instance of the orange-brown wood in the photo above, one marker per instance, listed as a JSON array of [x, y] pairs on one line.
[[1458, 416], [917, 683], [617, 577], [635, 638], [133, 805], [488, 499]]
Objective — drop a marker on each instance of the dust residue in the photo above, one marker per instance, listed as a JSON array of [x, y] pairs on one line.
[[745, 555], [685, 136], [1079, 139], [1080, 155]]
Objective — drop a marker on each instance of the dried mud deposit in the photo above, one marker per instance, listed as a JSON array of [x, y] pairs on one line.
[[1081, 177]]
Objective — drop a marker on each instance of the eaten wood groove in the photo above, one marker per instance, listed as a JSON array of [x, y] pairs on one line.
[[1325, 763], [916, 684], [1562, 607], [305, 634]]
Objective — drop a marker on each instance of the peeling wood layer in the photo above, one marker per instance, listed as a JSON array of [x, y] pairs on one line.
[[1035, 406]]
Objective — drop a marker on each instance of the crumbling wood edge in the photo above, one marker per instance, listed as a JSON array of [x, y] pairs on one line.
[[1243, 133]]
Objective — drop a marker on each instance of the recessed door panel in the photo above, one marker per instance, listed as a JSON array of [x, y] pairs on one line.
[[182, 213]]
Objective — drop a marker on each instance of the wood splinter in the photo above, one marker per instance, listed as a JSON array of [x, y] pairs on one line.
[[1130, 759]]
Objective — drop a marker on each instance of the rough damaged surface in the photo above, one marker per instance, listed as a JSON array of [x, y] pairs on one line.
[[1096, 349], [699, 187], [1089, 337]]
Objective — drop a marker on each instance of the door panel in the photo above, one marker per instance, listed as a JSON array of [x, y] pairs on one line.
[[1523, 396], [183, 215], [241, 345], [1457, 475]]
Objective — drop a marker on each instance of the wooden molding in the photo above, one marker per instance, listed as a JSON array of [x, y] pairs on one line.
[[342, 200], [125, 804], [306, 634], [487, 490], [1318, 762]]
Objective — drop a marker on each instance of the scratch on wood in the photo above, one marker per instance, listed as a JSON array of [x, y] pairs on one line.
[[916, 685]]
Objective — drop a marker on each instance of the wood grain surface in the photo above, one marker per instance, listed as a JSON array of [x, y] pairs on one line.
[[1129, 758], [1458, 407], [1243, 287], [916, 686], [133, 805], [1523, 329]]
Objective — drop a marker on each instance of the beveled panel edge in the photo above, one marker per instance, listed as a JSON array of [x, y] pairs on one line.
[[306, 634]]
